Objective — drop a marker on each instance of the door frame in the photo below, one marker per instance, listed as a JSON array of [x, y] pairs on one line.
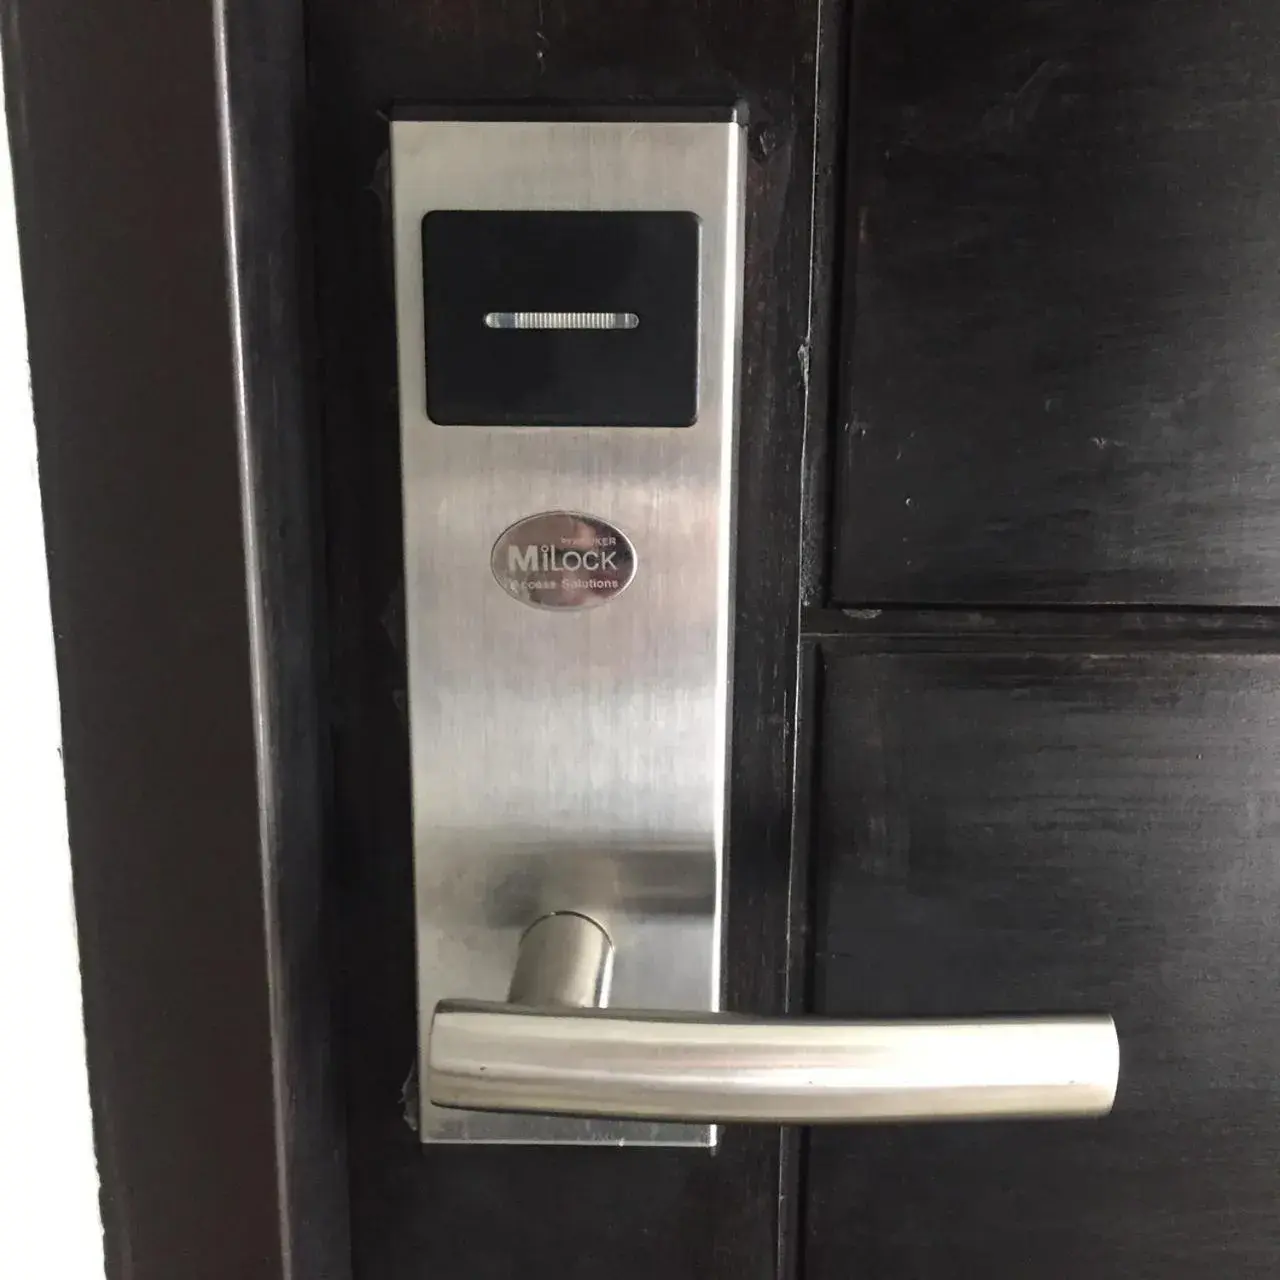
[[157, 152]]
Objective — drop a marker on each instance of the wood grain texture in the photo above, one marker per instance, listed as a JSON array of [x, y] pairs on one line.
[[112, 111], [1059, 379], [1057, 833], [473, 1212]]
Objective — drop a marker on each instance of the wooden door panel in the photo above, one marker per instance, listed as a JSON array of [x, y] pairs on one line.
[[1059, 383], [1057, 833]]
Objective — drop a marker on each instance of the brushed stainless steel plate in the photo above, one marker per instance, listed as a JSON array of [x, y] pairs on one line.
[[570, 759]]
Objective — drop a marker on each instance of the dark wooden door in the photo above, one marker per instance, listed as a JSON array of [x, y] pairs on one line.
[[1005, 714], [1045, 763], [1044, 275]]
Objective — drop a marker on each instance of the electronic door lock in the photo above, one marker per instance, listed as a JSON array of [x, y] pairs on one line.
[[568, 296], [568, 305]]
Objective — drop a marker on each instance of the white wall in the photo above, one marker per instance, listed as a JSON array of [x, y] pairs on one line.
[[49, 1219]]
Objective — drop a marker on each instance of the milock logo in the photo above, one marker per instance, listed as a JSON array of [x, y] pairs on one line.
[[563, 560], [548, 559]]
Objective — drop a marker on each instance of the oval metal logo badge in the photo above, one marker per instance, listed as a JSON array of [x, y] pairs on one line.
[[563, 560]]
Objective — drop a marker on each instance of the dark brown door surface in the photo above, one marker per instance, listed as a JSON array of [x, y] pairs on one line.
[[1005, 718], [1057, 389]]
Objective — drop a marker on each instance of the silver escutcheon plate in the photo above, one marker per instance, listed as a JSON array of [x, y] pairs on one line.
[[568, 758], [563, 560]]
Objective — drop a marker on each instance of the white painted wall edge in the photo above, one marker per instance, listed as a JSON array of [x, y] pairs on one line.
[[50, 1222]]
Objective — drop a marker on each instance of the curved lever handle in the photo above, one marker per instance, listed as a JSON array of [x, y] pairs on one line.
[[569, 1056]]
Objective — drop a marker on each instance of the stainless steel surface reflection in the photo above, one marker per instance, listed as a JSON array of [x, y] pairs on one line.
[[572, 1058], [565, 959], [569, 756], [717, 1069]]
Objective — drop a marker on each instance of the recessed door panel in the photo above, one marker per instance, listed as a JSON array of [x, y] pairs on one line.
[[1058, 832], [1058, 383]]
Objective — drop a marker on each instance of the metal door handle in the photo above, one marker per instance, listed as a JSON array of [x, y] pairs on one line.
[[553, 1048]]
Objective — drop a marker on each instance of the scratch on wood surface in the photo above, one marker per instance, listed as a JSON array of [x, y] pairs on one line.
[[1015, 115], [540, 37]]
